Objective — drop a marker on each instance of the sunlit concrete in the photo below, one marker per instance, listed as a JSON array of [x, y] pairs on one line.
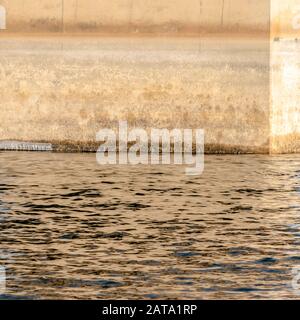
[[66, 89], [69, 68]]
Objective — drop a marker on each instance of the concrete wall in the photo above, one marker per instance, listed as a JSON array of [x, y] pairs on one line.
[[285, 18], [285, 76], [66, 89], [241, 90], [285, 97], [137, 16]]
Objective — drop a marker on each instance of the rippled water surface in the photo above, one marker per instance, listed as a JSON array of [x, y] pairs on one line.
[[73, 229]]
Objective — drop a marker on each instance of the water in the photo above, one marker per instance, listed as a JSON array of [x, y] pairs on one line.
[[73, 229]]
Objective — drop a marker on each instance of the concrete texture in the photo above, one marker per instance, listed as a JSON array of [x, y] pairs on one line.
[[285, 16], [67, 89], [166, 70], [137, 16], [285, 98]]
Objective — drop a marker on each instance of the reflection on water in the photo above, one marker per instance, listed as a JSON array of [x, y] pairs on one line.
[[73, 229]]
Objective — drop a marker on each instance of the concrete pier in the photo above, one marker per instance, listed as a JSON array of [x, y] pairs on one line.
[[69, 68], [285, 76]]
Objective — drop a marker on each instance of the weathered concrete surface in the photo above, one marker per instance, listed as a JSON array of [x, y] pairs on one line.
[[285, 99], [285, 18], [137, 16], [65, 84], [66, 89], [285, 76]]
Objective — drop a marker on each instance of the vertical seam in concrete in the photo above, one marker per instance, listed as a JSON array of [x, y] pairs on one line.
[[76, 12], [200, 17], [62, 16], [222, 13], [130, 14]]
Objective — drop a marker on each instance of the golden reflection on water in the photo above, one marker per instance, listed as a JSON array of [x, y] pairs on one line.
[[73, 229]]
